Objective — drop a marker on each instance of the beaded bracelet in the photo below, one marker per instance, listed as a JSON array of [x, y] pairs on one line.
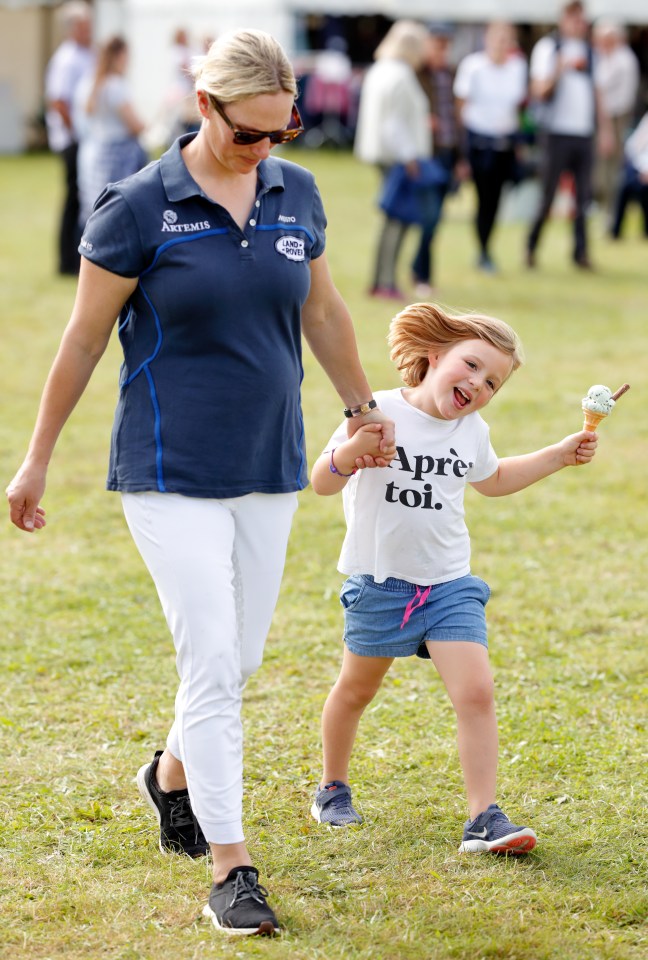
[[334, 469]]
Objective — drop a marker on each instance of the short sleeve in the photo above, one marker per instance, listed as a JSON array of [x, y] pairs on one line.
[[111, 238], [319, 225], [543, 58], [486, 460]]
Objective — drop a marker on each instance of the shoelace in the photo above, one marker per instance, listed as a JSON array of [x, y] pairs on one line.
[[180, 812], [338, 798], [247, 887]]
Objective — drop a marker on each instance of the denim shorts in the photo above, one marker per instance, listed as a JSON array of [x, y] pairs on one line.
[[395, 618]]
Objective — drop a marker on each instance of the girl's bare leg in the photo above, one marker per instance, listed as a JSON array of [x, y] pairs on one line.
[[354, 689], [466, 673]]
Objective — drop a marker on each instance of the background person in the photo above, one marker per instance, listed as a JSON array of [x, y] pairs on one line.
[[436, 77], [633, 182], [110, 149], [70, 63], [490, 87], [394, 128], [562, 78], [616, 71], [213, 287]]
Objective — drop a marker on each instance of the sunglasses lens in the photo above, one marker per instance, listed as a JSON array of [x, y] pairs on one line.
[[245, 139]]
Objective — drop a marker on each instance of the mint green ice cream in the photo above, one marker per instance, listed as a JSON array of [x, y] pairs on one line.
[[598, 399]]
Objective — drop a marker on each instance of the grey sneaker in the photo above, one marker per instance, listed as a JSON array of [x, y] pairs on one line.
[[332, 805], [179, 830], [493, 832], [238, 905]]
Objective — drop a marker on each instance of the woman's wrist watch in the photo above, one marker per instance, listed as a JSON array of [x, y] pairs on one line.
[[360, 410]]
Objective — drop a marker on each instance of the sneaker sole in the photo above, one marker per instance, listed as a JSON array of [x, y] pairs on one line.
[[317, 815], [265, 929], [516, 843], [145, 795]]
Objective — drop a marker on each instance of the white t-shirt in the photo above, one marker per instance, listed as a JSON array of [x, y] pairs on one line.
[[637, 146], [492, 93], [68, 66], [407, 520], [571, 110]]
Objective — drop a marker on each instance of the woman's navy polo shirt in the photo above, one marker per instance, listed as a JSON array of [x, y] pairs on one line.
[[209, 400]]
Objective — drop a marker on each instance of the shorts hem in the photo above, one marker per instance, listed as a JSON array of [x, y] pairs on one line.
[[394, 650]]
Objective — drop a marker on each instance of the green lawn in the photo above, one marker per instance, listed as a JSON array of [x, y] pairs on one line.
[[89, 680]]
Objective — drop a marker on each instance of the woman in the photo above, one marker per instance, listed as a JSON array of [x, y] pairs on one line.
[[394, 127], [490, 86], [213, 258], [110, 127]]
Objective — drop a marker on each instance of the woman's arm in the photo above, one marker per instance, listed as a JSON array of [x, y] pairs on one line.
[[516, 473], [329, 331], [100, 296]]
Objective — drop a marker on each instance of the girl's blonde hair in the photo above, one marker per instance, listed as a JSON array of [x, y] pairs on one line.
[[423, 327], [242, 65]]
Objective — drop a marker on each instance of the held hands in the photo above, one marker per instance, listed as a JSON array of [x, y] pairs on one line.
[[387, 442], [24, 494], [578, 449], [365, 449]]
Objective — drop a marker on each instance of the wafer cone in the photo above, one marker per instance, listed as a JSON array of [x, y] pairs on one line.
[[592, 419]]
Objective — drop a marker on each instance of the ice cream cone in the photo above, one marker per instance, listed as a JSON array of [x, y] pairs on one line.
[[592, 419]]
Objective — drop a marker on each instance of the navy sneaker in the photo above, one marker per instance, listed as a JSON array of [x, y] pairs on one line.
[[493, 832], [179, 830], [332, 805], [238, 906]]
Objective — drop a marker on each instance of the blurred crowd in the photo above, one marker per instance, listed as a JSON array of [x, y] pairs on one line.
[[569, 118]]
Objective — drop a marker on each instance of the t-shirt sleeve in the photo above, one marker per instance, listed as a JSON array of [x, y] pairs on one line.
[[319, 225], [111, 238], [543, 59], [486, 460]]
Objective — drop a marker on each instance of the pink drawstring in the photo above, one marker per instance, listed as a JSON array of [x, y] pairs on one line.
[[417, 601]]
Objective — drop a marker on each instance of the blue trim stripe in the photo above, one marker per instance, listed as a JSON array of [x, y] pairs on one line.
[[184, 239], [156, 348], [286, 226], [125, 323], [158, 431]]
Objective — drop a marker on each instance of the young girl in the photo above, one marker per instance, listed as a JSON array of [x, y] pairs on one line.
[[407, 550]]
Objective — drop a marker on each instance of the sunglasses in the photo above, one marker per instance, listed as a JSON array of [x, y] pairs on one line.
[[246, 137]]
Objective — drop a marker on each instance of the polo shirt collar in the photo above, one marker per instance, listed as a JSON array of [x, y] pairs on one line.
[[180, 185]]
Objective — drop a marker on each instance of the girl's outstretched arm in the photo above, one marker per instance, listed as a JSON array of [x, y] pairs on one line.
[[516, 473]]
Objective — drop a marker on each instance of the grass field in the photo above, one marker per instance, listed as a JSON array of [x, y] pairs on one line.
[[89, 679]]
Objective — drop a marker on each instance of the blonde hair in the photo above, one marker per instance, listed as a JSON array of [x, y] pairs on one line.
[[242, 65], [423, 327], [405, 40]]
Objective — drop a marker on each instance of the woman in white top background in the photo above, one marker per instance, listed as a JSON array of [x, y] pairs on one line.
[[110, 149], [394, 127], [490, 87]]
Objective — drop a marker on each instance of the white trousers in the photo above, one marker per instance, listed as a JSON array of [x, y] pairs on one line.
[[217, 566]]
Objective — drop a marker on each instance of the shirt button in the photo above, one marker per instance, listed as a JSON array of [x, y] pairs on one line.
[[257, 203], [253, 223], [244, 243]]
